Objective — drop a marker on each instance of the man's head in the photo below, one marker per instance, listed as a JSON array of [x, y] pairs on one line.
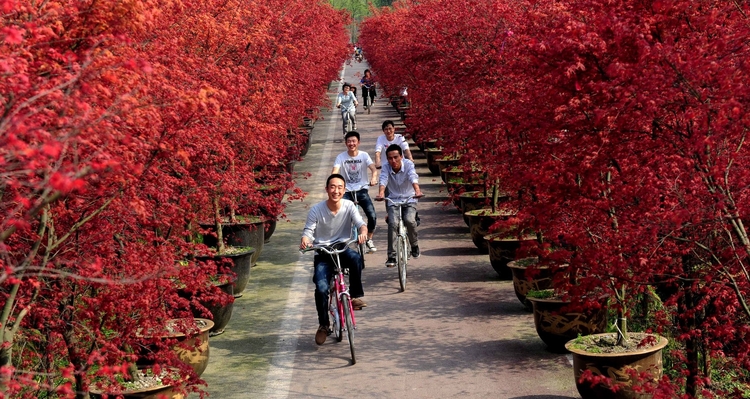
[[335, 187], [352, 140], [389, 129], [394, 155]]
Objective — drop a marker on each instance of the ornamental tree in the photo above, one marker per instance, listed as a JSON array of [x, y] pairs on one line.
[[622, 127], [107, 113]]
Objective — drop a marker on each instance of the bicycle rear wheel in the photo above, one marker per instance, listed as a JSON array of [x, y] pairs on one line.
[[333, 308], [347, 302], [401, 260]]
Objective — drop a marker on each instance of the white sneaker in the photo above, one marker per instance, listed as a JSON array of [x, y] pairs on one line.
[[370, 246]]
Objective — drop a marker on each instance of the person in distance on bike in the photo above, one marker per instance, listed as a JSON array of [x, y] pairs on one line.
[[328, 222], [368, 88], [353, 164], [347, 101], [388, 138], [402, 181]]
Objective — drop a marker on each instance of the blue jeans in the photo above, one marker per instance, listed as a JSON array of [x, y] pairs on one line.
[[323, 273], [349, 113], [363, 197], [409, 213]]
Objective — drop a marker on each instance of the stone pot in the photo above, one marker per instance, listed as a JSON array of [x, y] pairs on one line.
[[616, 366], [502, 249], [480, 221], [248, 231], [432, 154], [269, 228], [556, 328], [192, 350], [151, 392], [525, 281], [241, 264], [220, 314]]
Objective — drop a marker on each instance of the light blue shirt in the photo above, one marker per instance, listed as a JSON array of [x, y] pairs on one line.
[[346, 102], [400, 184]]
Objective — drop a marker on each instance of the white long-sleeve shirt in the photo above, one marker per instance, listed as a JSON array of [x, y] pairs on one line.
[[324, 228]]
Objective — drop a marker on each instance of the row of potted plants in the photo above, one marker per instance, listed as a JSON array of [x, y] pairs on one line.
[[615, 144]]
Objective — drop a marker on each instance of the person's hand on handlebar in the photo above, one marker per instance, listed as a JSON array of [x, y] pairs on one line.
[[304, 243]]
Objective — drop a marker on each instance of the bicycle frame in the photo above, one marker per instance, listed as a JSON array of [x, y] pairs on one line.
[[340, 292]]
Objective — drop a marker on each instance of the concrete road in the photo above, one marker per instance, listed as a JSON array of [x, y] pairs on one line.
[[457, 331]]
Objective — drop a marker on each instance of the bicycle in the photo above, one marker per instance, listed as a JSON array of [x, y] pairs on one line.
[[360, 248], [339, 300], [366, 98], [402, 241]]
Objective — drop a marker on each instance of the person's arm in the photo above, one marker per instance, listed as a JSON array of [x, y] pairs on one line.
[[354, 98], [335, 170], [417, 191], [383, 183], [338, 101], [308, 232], [405, 149], [373, 174], [377, 159], [407, 154]]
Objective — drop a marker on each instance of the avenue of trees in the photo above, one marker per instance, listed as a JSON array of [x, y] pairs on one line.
[[619, 129], [122, 126]]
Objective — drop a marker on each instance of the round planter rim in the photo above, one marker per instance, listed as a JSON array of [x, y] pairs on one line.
[[488, 212], [250, 250], [494, 237], [663, 341], [209, 325]]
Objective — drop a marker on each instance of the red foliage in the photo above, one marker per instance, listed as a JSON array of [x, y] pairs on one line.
[[121, 123], [620, 126]]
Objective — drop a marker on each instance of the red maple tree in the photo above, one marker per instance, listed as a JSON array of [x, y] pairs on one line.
[[120, 124]]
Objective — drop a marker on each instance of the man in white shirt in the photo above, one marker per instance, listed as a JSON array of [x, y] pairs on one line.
[[353, 164], [390, 137], [328, 222], [402, 181], [347, 101]]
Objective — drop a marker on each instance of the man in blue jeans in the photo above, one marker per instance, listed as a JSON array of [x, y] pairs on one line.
[[402, 181], [353, 164], [328, 222]]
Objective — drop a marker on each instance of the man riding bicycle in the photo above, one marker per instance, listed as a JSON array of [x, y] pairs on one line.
[[353, 165], [402, 181], [328, 222], [347, 101]]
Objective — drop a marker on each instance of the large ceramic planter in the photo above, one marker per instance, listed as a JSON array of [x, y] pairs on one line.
[[249, 231], [192, 350], [480, 221], [556, 328], [616, 366], [458, 185], [524, 280], [502, 249], [241, 264], [150, 392], [269, 227], [444, 163], [472, 200], [432, 154], [219, 314]]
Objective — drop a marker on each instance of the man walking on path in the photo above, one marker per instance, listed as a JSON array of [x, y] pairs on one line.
[[402, 181], [347, 101], [390, 137], [328, 222], [353, 165]]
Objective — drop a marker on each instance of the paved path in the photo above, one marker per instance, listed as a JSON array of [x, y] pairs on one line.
[[457, 331]]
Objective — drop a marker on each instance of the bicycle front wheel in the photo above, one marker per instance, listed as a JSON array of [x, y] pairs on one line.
[[336, 322], [362, 252], [347, 302], [401, 260]]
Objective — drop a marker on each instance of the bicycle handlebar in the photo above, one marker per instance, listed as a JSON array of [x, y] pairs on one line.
[[399, 203], [332, 249]]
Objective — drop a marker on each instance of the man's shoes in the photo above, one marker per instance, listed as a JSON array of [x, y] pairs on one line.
[[415, 251], [358, 304], [370, 246], [321, 335], [391, 262]]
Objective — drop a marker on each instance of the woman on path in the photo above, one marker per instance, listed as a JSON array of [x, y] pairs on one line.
[[347, 101], [368, 89]]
